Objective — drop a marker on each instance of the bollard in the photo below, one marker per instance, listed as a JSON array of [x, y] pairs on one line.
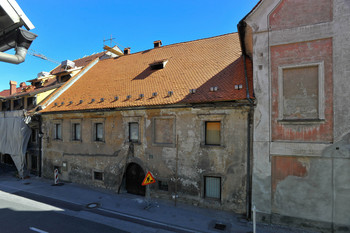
[[56, 176]]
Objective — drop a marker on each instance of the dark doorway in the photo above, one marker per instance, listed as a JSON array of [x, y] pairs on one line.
[[134, 177]]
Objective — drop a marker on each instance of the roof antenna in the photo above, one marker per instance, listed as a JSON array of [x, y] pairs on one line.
[[111, 39]]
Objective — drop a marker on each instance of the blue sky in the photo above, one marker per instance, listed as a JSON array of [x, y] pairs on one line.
[[76, 28]]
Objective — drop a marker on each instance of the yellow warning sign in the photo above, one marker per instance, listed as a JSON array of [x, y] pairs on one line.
[[149, 179]]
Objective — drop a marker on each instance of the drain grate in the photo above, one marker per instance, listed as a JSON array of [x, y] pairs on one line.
[[220, 226], [93, 205]]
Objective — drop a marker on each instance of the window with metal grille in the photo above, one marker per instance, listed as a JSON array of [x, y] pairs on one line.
[[76, 132], [58, 131], [212, 187], [213, 133], [98, 131], [134, 132]]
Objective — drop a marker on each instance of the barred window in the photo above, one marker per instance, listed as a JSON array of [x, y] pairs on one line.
[[212, 187]]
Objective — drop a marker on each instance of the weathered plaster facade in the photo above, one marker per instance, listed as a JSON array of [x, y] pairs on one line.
[[301, 162], [188, 158]]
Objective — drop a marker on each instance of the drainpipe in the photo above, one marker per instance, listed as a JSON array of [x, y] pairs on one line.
[[241, 29], [19, 39], [40, 144]]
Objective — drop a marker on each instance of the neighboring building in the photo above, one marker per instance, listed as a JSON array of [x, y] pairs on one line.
[[19, 103], [300, 51], [180, 111]]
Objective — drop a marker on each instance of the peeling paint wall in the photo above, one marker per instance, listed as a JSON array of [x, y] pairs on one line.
[[195, 159], [301, 166]]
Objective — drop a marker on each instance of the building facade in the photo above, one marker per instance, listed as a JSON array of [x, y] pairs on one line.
[[301, 132], [179, 111]]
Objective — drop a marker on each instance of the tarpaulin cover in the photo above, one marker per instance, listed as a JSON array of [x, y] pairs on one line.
[[14, 137]]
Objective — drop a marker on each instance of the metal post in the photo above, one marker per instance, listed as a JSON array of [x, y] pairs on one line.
[[254, 219], [56, 176]]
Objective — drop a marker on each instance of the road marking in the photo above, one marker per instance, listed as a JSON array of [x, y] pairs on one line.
[[37, 230]]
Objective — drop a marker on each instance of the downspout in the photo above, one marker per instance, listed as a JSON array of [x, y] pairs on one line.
[[40, 144], [21, 40], [241, 29]]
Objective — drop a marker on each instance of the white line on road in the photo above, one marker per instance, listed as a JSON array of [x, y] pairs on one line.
[[37, 230]]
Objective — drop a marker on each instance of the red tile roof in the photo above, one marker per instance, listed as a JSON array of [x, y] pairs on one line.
[[200, 65], [79, 62]]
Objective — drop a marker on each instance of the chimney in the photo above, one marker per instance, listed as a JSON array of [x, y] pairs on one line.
[[13, 88], [22, 84], [157, 43], [127, 51]]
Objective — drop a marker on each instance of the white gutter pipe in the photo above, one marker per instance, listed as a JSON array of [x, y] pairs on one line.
[[21, 40], [19, 57]]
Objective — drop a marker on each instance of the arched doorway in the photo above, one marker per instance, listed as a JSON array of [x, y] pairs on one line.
[[134, 176]]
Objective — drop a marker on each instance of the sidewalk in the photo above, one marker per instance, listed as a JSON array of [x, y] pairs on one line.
[[161, 214]]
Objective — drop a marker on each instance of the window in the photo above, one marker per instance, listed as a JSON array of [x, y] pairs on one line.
[[33, 137], [58, 131], [213, 133], [212, 187], [76, 132], [134, 132], [301, 92], [98, 128], [163, 131], [98, 175], [163, 185]]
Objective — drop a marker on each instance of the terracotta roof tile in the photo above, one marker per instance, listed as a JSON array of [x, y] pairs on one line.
[[200, 65]]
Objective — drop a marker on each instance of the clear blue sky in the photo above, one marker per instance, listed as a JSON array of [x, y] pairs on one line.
[[75, 28]]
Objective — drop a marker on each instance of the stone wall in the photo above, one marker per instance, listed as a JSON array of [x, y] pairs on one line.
[[195, 159]]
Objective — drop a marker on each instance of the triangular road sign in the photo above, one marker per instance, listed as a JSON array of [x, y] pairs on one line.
[[149, 179]]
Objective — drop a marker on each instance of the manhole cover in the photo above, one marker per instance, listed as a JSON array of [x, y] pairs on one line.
[[92, 205], [26, 183]]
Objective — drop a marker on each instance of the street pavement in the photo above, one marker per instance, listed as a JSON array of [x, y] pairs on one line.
[[75, 208]]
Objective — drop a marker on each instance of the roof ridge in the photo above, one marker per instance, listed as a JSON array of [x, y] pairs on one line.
[[184, 42]]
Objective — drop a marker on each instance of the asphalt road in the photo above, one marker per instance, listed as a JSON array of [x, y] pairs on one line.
[[19, 214]]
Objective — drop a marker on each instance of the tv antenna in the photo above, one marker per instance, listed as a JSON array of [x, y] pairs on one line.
[[42, 56]]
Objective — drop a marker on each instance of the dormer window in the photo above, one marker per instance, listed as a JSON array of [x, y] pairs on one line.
[[157, 65], [64, 78]]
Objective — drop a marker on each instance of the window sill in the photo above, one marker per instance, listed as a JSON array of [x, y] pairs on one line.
[[301, 121], [76, 141], [171, 145], [213, 146]]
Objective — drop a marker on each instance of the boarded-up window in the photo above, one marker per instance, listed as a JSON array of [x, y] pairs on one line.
[[212, 133], [300, 92], [164, 130], [58, 131], [212, 187], [98, 131], [134, 132], [76, 132]]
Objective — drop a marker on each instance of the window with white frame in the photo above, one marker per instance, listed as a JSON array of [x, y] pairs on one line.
[[212, 187], [301, 92]]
